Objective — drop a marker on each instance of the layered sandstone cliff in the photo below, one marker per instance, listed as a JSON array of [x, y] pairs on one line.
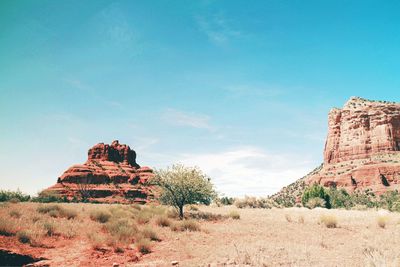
[[109, 175], [363, 147]]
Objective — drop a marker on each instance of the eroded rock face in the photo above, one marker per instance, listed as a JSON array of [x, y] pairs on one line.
[[363, 147], [110, 174], [361, 129]]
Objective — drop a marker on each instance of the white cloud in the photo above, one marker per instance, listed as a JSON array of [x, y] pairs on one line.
[[181, 118], [249, 170], [217, 28]]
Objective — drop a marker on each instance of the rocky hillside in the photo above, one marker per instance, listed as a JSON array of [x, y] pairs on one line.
[[362, 150], [110, 174]]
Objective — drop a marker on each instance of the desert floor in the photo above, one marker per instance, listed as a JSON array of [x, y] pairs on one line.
[[261, 237], [285, 237]]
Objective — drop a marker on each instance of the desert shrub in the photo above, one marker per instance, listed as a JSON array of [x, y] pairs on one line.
[[68, 213], [7, 227], [143, 245], [185, 225], [124, 230], [173, 214], [190, 225], [364, 198], [359, 207], [387, 199], [49, 197], [162, 221], [150, 234], [57, 211], [96, 240], [182, 185], [382, 220], [226, 201], [330, 221], [315, 191], [253, 202], [143, 217], [14, 200], [14, 196], [207, 216], [234, 215], [48, 208], [50, 228], [339, 198], [24, 237], [120, 212], [396, 206], [15, 214], [176, 227], [100, 216], [315, 202]]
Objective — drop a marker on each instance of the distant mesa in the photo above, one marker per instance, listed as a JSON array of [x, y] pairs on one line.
[[110, 175], [362, 150]]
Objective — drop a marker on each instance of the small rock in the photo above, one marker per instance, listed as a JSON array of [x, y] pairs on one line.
[[115, 264], [174, 263]]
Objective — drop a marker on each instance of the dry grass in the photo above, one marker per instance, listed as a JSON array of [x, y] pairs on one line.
[[234, 215], [24, 237], [7, 227], [57, 211], [149, 233], [330, 221], [15, 214], [100, 216], [382, 220], [163, 221], [143, 245], [260, 237], [190, 225]]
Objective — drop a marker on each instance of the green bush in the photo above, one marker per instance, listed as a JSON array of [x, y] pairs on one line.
[[316, 191], [49, 197], [7, 195], [226, 200], [387, 199], [339, 198]]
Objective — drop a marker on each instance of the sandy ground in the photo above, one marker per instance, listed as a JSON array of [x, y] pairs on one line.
[[262, 237], [278, 237]]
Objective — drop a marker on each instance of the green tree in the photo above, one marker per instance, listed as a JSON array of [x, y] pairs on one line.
[[339, 198], [314, 191], [182, 185]]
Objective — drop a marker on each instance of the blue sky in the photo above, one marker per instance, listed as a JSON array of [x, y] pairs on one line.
[[240, 88]]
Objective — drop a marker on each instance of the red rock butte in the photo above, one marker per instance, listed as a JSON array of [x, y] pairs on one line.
[[362, 149], [110, 175]]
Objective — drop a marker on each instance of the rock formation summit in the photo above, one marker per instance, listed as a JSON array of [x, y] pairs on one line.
[[362, 149], [109, 175]]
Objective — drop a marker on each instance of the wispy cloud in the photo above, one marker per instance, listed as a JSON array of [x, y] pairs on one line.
[[189, 119], [241, 90], [78, 84], [217, 28], [249, 170]]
